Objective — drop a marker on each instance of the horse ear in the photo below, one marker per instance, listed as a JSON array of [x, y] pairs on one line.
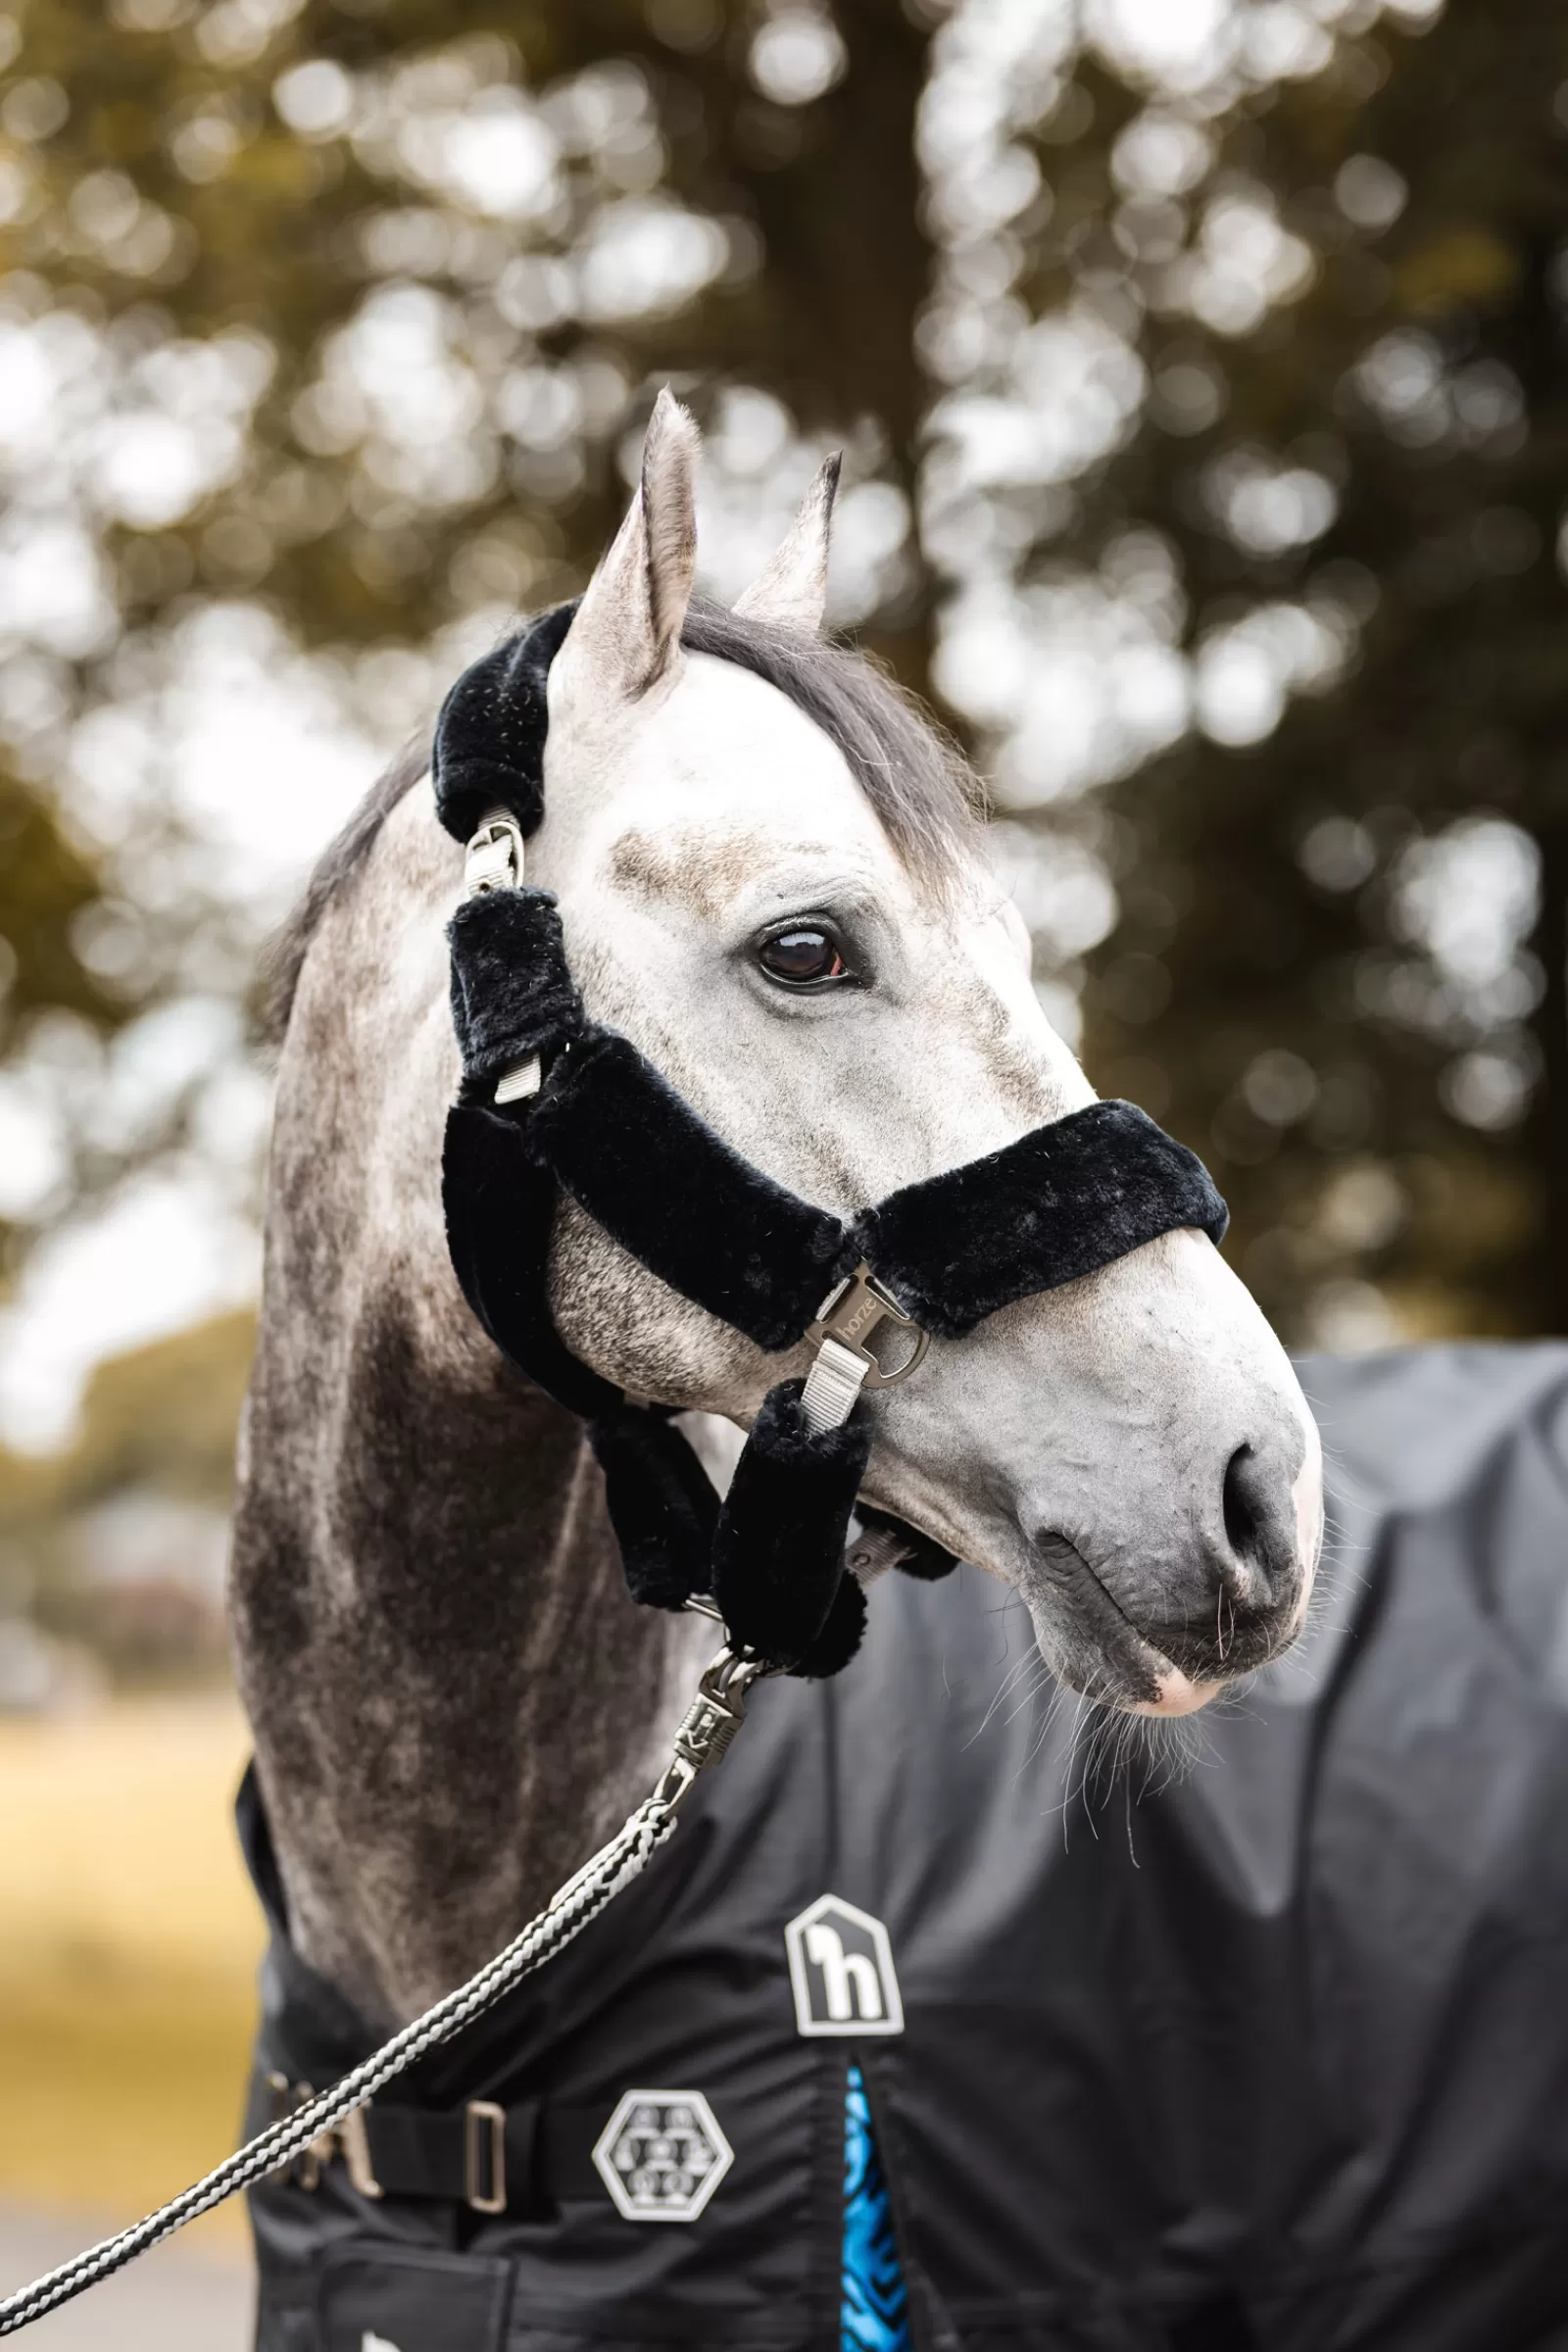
[[626, 634], [791, 589]]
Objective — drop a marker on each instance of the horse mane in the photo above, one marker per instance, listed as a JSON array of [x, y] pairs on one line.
[[921, 787]]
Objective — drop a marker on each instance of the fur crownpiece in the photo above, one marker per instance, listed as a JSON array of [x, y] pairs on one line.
[[489, 749]]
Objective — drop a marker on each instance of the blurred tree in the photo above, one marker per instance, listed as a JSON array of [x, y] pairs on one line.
[[50, 896], [1216, 351], [244, 179], [116, 1543], [1324, 938], [45, 883], [164, 1416], [160, 1419]]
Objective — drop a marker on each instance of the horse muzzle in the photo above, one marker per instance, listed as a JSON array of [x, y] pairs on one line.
[[1159, 1625]]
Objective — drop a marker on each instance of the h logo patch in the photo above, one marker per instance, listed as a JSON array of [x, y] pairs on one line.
[[841, 1970]]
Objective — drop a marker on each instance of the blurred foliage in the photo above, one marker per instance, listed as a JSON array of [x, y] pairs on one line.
[[164, 1416], [161, 1417], [405, 276], [172, 195], [115, 1544], [1304, 1036], [43, 883]]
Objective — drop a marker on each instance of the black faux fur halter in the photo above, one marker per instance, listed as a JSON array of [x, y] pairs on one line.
[[609, 1129]]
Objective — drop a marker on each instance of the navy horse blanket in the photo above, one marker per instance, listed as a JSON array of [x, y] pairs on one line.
[[910, 2038]]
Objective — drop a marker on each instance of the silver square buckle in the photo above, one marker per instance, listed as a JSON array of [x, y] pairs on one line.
[[484, 2156]]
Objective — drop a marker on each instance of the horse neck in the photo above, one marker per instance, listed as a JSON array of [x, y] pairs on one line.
[[452, 1698]]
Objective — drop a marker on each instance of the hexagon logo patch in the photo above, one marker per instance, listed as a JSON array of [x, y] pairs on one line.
[[662, 2155], [841, 1970]]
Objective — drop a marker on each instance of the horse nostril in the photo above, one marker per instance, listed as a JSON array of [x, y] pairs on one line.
[[1256, 1532], [1241, 1515]]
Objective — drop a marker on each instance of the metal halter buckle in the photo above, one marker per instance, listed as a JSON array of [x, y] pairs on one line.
[[495, 855], [495, 860], [852, 1313]]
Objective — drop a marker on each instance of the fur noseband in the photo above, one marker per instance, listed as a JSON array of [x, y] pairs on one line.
[[607, 1129]]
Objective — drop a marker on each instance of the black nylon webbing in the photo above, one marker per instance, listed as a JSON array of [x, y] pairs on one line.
[[423, 2153]]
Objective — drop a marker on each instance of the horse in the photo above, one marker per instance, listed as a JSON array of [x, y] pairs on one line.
[[771, 878]]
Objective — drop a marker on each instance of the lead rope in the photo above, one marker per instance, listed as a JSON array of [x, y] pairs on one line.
[[711, 1722]]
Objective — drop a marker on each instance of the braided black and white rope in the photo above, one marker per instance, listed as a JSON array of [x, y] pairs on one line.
[[703, 1738]]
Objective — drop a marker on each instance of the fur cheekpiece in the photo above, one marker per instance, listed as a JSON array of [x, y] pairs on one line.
[[661, 1505], [673, 1194], [511, 994], [500, 1208], [778, 1557]]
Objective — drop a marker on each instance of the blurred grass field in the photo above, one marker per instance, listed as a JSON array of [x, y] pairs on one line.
[[128, 1945]]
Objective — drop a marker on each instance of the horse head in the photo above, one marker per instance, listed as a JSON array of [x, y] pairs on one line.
[[770, 879]]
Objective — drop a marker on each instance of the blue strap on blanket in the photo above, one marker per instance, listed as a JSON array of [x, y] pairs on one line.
[[873, 2308]]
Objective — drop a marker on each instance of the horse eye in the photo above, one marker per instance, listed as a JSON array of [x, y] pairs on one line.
[[804, 956]]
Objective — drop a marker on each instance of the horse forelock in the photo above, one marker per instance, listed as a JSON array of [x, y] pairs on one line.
[[924, 792], [916, 779]]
